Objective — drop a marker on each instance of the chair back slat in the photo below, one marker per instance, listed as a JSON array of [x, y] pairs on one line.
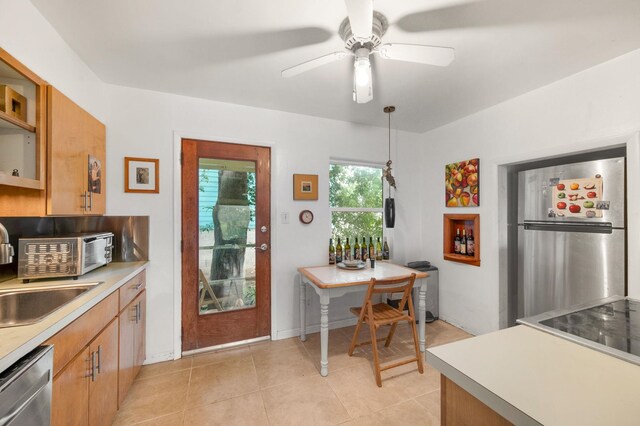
[[397, 285]]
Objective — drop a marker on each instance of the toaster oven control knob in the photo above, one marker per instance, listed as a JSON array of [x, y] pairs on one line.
[[48, 259]]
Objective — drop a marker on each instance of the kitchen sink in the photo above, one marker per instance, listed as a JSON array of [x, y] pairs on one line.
[[30, 305]]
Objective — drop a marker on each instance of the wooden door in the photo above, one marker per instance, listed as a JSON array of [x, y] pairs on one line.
[[70, 394], [76, 158], [103, 386], [139, 335], [226, 261], [127, 331]]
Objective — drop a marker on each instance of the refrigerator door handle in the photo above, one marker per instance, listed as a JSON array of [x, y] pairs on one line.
[[591, 228]]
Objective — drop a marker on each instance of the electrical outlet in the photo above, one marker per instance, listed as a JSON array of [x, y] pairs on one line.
[[284, 217]]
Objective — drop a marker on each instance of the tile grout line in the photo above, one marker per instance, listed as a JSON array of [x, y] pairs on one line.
[[264, 407]]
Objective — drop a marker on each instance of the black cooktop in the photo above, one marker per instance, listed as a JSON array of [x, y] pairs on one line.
[[615, 324]]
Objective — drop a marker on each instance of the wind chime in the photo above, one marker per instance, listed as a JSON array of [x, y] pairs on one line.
[[389, 202]]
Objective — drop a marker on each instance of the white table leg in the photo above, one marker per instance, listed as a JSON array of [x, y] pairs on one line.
[[422, 308], [324, 335], [303, 310]]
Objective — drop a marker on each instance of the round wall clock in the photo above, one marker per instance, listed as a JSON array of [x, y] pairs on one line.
[[306, 217]]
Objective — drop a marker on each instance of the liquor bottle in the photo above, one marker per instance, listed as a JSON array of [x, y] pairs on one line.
[[339, 251], [372, 249], [347, 251], [332, 252], [463, 242], [378, 250], [471, 249], [357, 254], [364, 250], [386, 253], [456, 242]]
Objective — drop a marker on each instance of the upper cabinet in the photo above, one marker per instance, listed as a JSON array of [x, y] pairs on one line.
[[22, 97], [75, 158]]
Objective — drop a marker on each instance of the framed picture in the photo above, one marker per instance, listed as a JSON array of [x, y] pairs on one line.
[[305, 187], [462, 183], [141, 175], [94, 175]]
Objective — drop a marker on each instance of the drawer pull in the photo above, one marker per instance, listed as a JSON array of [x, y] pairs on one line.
[[136, 288]]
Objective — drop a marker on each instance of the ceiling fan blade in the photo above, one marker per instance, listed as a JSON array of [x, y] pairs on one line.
[[429, 55], [314, 63], [361, 18]]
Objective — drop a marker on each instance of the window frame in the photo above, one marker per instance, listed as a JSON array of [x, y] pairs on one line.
[[357, 163]]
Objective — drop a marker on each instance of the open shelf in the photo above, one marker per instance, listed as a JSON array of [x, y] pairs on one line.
[[6, 179], [9, 122], [453, 222]]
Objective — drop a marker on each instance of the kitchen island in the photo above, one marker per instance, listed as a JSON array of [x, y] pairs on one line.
[[525, 376]]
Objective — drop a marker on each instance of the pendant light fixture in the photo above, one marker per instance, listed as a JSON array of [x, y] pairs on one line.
[[389, 203]]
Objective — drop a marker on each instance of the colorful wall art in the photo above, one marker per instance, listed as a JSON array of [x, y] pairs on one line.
[[462, 183], [578, 198]]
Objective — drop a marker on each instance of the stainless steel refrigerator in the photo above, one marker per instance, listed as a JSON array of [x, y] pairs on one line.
[[571, 235]]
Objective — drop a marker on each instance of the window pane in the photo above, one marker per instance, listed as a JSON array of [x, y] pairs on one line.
[[356, 224], [355, 186]]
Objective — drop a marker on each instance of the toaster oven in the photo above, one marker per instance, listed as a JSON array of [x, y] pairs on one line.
[[64, 256]]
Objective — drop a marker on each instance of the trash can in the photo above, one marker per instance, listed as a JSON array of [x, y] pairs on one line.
[[432, 311]]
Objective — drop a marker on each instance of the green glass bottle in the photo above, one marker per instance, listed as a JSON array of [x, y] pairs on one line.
[[332, 252], [372, 249], [364, 250], [339, 251], [357, 254], [347, 251], [378, 249]]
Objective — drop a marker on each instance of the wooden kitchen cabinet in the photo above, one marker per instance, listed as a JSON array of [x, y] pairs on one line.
[[70, 392], [132, 342], [76, 151], [84, 392], [22, 139], [103, 398]]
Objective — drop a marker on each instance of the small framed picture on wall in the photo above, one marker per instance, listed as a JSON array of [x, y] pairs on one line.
[[141, 175], [305, 187]]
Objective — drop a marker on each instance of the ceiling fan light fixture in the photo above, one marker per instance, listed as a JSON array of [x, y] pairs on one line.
[[362, 71]]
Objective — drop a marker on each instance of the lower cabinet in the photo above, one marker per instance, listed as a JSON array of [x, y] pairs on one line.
[[132, 344], [98, 356], [84, 391]]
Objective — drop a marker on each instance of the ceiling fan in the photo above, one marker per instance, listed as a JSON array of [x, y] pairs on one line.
[[362, 33]]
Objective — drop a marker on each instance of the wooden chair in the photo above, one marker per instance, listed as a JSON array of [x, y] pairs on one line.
[[205, 291], [382, 314]]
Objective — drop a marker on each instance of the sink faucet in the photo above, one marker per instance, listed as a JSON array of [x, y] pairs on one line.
[[6, 249]]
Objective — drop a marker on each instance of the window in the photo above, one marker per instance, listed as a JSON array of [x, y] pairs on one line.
[[355, 199]]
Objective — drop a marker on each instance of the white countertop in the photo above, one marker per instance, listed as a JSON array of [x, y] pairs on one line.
[[530, 377], [332, 276], [15, 342]]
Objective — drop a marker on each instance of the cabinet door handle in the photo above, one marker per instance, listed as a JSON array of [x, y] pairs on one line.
[[93, 366], [84, 197], [136, 307], [139, 312], [136, 288], [99, 358]]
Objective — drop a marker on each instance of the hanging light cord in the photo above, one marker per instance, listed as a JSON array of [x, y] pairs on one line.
[[389, 114]]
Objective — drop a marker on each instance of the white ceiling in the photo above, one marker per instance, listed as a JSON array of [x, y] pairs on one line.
[[233, 50]]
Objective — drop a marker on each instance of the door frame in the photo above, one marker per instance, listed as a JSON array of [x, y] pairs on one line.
[[177, 230]]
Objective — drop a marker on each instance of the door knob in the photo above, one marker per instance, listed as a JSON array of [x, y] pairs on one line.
[[264, 247], [263, 229]]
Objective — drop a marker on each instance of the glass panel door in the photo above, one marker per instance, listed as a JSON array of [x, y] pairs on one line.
[[227, 235]]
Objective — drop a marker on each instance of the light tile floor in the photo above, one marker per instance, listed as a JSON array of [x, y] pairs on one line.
[[278, 383]]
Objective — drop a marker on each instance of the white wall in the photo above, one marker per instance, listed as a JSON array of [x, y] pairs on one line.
[[142, 124], [33, 41], [582, 112]]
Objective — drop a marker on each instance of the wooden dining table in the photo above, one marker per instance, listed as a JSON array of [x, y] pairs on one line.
[[330, 281]]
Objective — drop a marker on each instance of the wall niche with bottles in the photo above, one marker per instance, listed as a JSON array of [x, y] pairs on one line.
[[461, 238], [22, 126]]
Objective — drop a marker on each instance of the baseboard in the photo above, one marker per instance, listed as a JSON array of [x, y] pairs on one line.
[[294, 332], [161, 357], [455, 323]]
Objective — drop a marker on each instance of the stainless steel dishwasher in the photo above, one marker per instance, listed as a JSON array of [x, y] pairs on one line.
[[25, 390]]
